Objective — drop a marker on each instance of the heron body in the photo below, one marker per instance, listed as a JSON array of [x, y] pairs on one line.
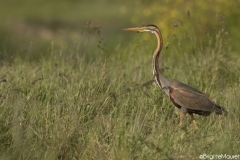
[[186, 98]]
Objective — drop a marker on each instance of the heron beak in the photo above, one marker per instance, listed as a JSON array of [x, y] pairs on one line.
[[139, 29]]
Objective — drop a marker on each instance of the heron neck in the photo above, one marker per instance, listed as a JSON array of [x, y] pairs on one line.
[[160, 79]]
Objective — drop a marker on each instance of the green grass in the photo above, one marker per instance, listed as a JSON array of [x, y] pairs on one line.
[[75, 105]]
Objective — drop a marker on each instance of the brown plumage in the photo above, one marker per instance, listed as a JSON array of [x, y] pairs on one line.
[[186, 98]]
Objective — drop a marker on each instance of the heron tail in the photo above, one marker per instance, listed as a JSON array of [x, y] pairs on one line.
[[221, 110]]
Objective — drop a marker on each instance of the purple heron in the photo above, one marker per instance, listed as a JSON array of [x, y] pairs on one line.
[[186, 98]]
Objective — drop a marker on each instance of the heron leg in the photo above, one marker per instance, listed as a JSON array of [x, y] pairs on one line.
[[194, 122], [181, 115]]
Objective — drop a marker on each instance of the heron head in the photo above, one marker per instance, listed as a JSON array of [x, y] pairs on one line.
[[148, 28]]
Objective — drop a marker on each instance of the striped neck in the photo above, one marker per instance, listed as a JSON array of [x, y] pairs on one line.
[[160, 79]]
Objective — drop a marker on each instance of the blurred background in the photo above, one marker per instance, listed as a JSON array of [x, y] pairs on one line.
[[33, 28]]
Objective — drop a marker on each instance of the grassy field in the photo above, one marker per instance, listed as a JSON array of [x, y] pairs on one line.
[[69, 106], [70, 97]]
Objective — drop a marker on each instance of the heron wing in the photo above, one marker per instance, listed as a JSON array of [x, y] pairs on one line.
[[177, 84], [191, 100]]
